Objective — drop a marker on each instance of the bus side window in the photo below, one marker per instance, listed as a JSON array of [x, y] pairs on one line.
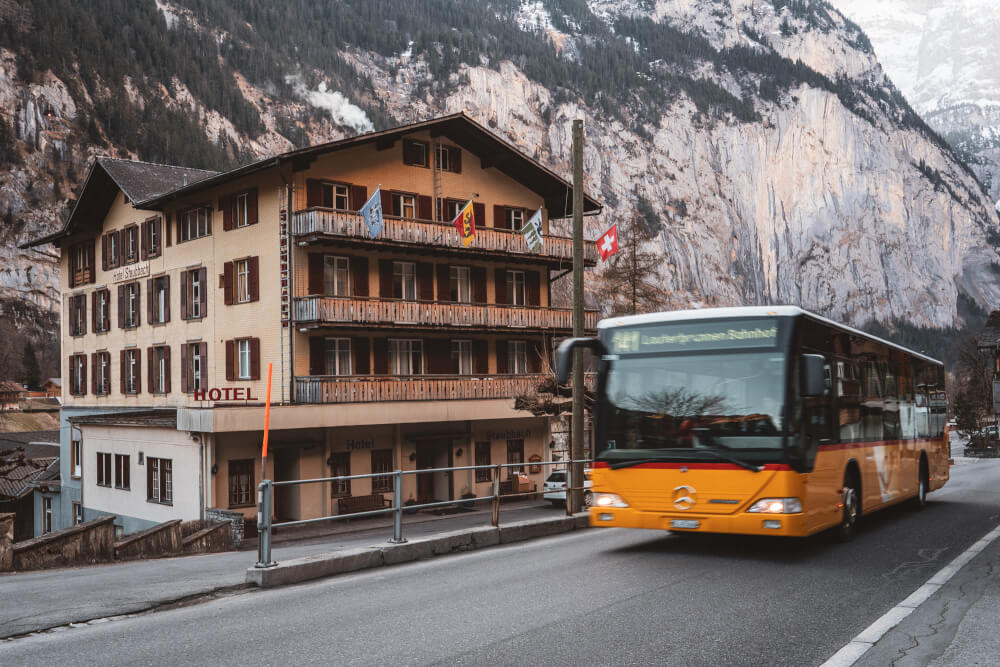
[[849, 400]]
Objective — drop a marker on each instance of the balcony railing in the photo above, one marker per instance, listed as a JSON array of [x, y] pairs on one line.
[[322, 309], [332, 222]]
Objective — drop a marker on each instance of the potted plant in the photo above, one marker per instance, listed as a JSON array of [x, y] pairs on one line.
[[408, 507]]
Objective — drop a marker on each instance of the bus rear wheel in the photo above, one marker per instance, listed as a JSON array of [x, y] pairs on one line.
[[851, 501]]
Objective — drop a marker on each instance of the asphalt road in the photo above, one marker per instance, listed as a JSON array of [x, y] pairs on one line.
[[600, 597]]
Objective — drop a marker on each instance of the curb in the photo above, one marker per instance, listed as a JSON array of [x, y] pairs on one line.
[[309, 568]]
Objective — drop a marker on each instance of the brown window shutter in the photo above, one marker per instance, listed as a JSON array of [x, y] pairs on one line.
[[184, 295], [361, 360], [409, 152], [138, 372], [121, 371], [150, 370], [104, 253], [359, 195], [316, 282], [158, 228], [149, 482], [184, 368], [93, 376], [166, 373], [359, 275], [180, 225], [149, 301], [479, 213], [93, 312], [226, 206], [107, 310], [481, 356], [227, 282], [166, 229], [230, 359], [91, 267], [455, 159], [478, 278], [424, 207], [381, 348], [317, 356], [444, 282], [255, 358], [386, 197], [206, 377], [314, 193], [83, 375], [502, 366], [83, 316], [500, 285], [138, 305], [531, 281], [385, 278], [254, 278], [500, 217], [166, 298], [203, 279], [143, 236], [425, 281], [121, 306], [107, 376], [252, 206]]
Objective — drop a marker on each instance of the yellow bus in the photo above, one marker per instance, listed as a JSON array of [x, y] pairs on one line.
[[759, 421]]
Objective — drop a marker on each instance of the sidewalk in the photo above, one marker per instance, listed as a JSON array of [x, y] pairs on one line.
[[39, 600]]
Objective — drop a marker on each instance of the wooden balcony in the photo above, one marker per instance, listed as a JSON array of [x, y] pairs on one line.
[[368, 388], [324, 223], [392, 312]]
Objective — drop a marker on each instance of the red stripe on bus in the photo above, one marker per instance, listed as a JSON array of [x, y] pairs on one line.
[[671, 465]]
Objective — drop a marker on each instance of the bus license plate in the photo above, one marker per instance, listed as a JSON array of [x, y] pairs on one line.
[[685, 523]]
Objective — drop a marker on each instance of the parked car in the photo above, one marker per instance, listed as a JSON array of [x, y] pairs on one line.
[[554, 488]]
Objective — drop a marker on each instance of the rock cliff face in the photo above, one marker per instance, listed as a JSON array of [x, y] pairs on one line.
[[761, 137]]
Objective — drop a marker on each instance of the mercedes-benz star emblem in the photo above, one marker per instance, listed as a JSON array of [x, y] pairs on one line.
[[684, 497]]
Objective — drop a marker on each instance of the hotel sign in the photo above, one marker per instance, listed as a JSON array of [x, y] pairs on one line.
[[224, 394], [130, 272]]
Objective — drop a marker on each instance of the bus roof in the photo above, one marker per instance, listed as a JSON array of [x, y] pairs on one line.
[[741, 312]]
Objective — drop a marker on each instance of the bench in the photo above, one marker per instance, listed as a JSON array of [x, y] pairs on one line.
[[353, 504]]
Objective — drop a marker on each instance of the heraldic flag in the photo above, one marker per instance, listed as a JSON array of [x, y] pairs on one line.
[[371, 213], [465, 223], [607, 245], [532, 232]]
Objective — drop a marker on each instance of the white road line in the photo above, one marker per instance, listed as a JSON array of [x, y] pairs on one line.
[[858, 646]]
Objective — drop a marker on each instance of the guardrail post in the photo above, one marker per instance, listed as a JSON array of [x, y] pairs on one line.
[[264, 499], [569, 488], [496, 496], [397, 502]]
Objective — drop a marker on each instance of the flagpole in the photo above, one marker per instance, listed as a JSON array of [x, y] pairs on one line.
[[576, 451]]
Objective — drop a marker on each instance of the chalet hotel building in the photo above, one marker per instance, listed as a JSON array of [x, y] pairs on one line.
[[179, 286]]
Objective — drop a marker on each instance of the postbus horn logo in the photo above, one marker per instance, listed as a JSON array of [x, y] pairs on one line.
[[684, 497]]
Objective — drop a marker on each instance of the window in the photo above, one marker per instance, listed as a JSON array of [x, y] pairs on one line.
[[452, 207], [243, 359], [241, 210], [242, 281], [77, 513], [128, 308], [103, 469], [151, 238], [81, 263], [338, 356], [238, 210], [159, 480], [382, 463], [159, 369], [515, 288], [102, 310], [415, 153], [449, 158], [483, 459], [461, 284], [130, 371], [76, 458], [404, 281], [78, 375], [404, 206], [461, 357], [515, 454], [515, 219], [47, 510], [102, 373], [335, 276], [78, 315], [122, 472], [193, 297], [243, 350], [110, 250], [159, 300], [194, 223], [130, 241], [335, 195], [241, 486], [517, 356], [405, 357], [340, 466], [193, 374]]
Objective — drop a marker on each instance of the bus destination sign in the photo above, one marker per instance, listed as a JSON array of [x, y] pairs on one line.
[[695, 336]]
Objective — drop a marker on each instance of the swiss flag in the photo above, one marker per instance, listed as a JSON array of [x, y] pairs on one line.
[[607, 245]]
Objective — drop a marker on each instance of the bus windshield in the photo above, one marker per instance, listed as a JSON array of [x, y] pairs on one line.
[[731, 400]]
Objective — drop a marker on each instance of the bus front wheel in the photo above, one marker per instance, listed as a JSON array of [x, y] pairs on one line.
[[851, 502]]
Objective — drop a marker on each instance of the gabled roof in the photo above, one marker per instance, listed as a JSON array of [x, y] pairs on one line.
[[16, 483], [138, 180], [10, 386]]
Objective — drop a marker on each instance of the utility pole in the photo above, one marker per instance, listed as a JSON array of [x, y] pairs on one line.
[[576, 450]]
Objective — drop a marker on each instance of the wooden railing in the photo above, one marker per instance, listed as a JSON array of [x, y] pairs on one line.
[[369, 389], [332, 222], [323, 309]]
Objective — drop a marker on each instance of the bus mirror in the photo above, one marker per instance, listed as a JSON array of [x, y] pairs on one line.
[[564, 355], [813, 375]]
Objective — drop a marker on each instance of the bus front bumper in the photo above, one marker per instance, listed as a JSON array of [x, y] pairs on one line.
[[744, 523]]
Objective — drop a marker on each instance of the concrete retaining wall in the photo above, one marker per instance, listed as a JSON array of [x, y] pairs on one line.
[[163, 539], [89, 542]]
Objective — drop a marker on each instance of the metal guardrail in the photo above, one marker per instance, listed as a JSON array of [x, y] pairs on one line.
[[265, 500]]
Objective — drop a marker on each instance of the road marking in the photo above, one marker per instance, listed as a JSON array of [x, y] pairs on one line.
[[868, 637]]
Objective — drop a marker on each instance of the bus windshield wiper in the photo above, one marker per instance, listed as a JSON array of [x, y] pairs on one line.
[[720, 450]]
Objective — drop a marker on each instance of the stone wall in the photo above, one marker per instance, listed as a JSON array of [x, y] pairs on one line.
[[89, 542], [235, 519], [161, 540], [6, 541]]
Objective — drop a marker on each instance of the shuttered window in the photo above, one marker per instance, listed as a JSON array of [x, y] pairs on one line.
[[241, 483]]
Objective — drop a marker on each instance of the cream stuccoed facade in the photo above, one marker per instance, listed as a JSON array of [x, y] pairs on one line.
[[403, 351]]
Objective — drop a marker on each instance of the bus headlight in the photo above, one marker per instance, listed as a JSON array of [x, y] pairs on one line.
[[777, 506], [608, 500]]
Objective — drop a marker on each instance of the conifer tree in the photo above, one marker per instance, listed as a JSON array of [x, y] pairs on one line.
[[630, 282]]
